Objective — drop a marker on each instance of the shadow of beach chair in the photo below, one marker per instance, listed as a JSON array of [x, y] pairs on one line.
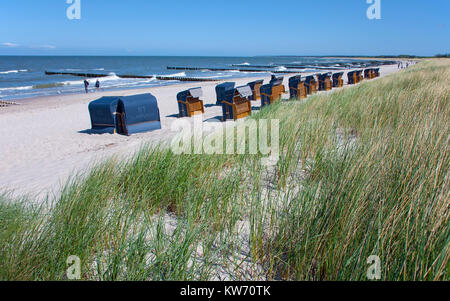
[[337, 80], [311, 85], [189, 103], [222, 90], [236, 103], [297, 88], [324, 81], [271, 92], [256, 89]]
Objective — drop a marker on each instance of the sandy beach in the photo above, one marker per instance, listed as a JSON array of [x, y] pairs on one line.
[[47, 140]]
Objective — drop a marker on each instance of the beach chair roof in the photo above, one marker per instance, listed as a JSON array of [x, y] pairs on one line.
[[252, 84], [194, 92], [267, 89], [222, 89], [244, 91], [277, 82], [295, 80], [140, 108], [309, 79], [102, 111], [275, 78]]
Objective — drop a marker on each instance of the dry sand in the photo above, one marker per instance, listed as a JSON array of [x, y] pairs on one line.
[[44, 140]]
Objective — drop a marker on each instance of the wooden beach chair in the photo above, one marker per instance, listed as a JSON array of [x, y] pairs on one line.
[[324, 81], [189, 103], [359, 75], [222, 90], [311, 85], [271, 92], [337, 80], [256, 89], [237, 103], [276, 79], [368, 73], [297, 88], [377, 72], [352, 78]]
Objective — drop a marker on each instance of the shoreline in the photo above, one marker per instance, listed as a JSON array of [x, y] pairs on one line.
[[46, 140]]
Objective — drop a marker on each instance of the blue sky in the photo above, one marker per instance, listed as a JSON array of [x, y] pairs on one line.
[[224, 28]]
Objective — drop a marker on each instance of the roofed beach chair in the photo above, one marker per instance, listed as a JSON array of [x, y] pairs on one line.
[[221, 91], [237, 103], [352, 78], [276, 79], [311, 85], [256, 89], [189, 103], [377, 72], [325, 83], [337, 80], [297, 88], [368, 73], [271, 92], [359, 75], [125, 115]]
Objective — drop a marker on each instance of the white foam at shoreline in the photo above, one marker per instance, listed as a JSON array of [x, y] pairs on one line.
[[13, 71]]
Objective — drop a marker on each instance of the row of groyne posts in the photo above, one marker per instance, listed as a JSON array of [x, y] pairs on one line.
[[287, 69], [7, 103]]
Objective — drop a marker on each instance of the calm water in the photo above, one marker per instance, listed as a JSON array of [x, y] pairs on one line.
[[24, 77]]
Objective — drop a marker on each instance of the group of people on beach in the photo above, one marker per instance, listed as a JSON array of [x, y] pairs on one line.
[[86, 85]]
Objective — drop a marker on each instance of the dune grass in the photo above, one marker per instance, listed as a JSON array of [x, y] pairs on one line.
[[363, 171]]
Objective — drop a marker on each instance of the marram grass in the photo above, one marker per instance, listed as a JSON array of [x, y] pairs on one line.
[[363, 171]]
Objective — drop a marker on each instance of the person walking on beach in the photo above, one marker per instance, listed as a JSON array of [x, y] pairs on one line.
[[97, 85], [86, 86]]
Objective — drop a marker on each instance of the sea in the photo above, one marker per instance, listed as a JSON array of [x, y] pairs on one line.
[[23, 77]]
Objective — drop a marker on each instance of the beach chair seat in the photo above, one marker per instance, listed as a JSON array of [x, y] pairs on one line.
[[222, 90], [256, 89], [297, 89], [237, 103], [189, 103], [271, 93], [311, 85], [337, 80]]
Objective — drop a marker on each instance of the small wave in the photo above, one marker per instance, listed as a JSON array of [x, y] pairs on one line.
[[13, 71], [244, 64], [281, 68], [181, 74], [16, 88]]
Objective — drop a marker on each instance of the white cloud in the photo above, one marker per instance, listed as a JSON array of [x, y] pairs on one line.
[[44, 47], [7, 44]]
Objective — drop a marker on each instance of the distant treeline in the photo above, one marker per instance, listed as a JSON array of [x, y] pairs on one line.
[[406, 56], [401, 56]]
